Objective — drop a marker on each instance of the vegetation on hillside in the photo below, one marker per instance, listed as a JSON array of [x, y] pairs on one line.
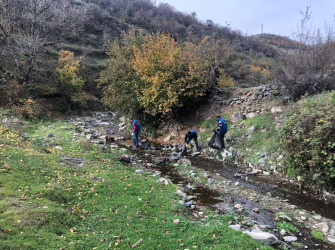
[[308, 138], [159, 75], [310, 68], [70, 83], [34, 76]]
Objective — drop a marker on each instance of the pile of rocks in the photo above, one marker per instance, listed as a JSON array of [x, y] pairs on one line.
[[252, 103], [95, 127], [255, 95]]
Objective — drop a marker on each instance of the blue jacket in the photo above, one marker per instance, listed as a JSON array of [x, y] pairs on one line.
[[193, 135], [224, 127], [136, 128]]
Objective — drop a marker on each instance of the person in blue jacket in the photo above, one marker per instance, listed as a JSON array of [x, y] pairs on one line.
[[191, 134], [136, 130], [221, 127]]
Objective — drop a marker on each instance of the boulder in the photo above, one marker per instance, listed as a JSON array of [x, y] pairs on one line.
[[263, 236], [185, 162], [236, 117], [275, 110], [251, 115], [323, 226], [251, 130]]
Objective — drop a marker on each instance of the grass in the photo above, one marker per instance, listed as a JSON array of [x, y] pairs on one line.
[[288, 227], [258, 140], [318, 234], [264, 139], [47, 202]]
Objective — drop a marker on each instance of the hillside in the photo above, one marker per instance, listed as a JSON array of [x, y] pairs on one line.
[[277, 41], [106, 20]]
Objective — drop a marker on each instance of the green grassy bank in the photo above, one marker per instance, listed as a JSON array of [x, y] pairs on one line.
[[47, 202]]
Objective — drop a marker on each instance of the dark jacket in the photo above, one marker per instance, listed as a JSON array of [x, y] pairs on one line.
[[222, 128], [191, 134]]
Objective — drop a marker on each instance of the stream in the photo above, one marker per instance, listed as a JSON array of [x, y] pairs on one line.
[[268, 184], [274, 190], [218, 201]]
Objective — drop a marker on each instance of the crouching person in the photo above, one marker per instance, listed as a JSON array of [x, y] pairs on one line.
[[191, 134]]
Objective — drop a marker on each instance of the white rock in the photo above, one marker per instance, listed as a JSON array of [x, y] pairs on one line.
[[238, 206], [236, 227], [263, 236], [275, 110], [331, 239], [251, 115], [285, 217], [164, 181], [323, 226], [176, 221], [290, 238]]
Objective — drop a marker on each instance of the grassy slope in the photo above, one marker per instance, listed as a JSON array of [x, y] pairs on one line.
[[48, 203], [264, 139]]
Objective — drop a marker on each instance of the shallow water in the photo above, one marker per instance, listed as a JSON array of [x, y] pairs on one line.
[[263, 184]]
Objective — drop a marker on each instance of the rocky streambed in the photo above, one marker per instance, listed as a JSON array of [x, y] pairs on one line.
[[267, 209]]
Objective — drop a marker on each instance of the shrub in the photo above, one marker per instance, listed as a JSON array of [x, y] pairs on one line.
[[29, 109], [308, 137], [85, 144]]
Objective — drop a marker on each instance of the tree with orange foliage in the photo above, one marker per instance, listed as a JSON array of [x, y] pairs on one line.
[[169, 73], [158, 75]]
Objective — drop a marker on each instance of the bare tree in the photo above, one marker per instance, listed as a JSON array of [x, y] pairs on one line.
[[310, 68], [27, 27]]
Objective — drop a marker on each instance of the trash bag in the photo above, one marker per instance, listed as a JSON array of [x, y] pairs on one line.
[[145, 144], [216, 142], [125, 159]]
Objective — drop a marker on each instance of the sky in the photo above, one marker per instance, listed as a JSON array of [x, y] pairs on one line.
[[250, 17]]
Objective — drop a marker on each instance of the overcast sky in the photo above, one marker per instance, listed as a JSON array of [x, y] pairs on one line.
[[279, 17]]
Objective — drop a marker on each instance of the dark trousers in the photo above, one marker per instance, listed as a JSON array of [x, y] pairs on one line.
[[135, 139], [222, 136]]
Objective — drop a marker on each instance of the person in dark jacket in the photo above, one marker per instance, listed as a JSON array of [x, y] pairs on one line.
[[191, 134], [221, 128], [136, 130]]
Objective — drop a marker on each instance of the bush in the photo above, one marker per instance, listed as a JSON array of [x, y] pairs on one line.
[[30, 109], [308, 137]]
